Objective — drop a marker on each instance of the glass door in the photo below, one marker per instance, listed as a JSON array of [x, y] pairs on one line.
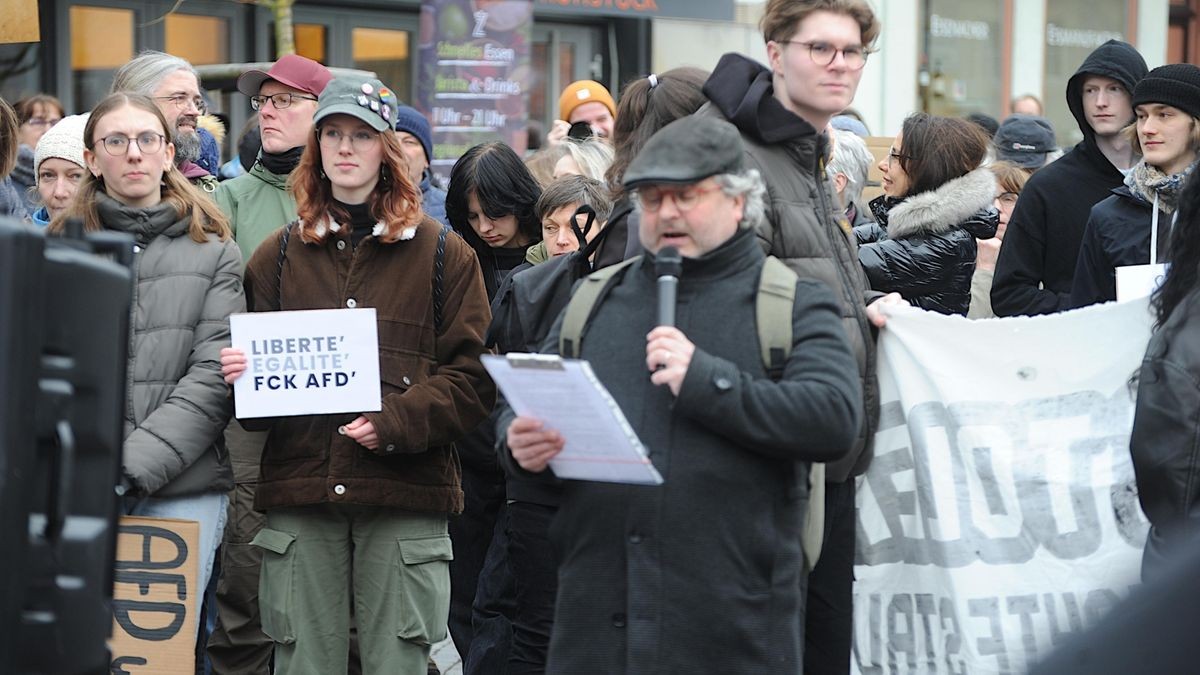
[[560, 55]]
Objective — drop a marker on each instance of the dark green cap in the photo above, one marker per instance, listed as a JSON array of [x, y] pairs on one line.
[[687, 150], [366, 98]]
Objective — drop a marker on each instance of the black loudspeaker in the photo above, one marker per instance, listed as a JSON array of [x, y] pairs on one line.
[[21, 305], [83, 287]]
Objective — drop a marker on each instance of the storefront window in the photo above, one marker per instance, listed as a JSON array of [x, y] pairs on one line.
[[101, 42], [1073, 29], [385, 52], [310, 41], [200, 40], [962, 59]]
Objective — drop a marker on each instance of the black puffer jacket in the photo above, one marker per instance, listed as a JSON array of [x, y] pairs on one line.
[[1165, 441], [923, 247]]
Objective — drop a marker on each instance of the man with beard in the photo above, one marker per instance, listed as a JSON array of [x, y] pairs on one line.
[[258, 203], [175, 87]]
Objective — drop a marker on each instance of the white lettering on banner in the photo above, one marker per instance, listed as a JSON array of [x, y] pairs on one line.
[[942, 27], [1000, 513], [1057, 36]]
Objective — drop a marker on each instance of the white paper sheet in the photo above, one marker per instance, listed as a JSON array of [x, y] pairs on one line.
[[601, 445]]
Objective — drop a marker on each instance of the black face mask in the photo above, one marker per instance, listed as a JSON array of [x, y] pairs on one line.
[[281, 163]]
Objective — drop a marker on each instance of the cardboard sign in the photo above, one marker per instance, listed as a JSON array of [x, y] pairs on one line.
[[313, 362], [154, 596]]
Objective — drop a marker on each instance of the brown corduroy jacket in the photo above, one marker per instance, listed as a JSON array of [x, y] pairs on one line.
[[434, 386]]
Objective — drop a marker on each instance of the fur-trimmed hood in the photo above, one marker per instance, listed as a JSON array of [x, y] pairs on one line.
[[957, 203]]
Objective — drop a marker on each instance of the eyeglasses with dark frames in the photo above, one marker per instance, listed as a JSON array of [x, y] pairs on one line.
[[148, 143], [281, 100], [823, 53]]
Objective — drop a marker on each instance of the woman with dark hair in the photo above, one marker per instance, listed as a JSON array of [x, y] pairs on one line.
[[1131, 227], [490, 202], [936, 202], [1166, 422], [10, 199], [357, 503], [647, 104], [188, 269]]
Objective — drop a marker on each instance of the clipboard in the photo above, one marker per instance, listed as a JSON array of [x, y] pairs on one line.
[[600, 443]]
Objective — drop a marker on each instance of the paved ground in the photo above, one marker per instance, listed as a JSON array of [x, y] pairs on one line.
[[446, 657]]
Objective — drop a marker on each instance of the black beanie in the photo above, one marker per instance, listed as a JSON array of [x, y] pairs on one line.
[[1176, 85]]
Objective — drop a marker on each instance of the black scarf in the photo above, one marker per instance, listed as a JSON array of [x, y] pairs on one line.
[[282, 163]]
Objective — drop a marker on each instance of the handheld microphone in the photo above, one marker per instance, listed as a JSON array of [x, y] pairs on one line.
[[668, 265]]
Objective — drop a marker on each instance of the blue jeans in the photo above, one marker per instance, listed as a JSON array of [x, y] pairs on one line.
[[207, 509]]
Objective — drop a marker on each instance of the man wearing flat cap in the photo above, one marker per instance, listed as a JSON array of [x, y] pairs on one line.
[[258, 203], [704, 572]]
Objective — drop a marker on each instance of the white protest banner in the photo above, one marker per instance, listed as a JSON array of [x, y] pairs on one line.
[[312, 362], [1000, 512]]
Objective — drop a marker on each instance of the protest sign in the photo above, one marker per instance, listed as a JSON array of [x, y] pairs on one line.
[[1000, 512], [311, 362], [155, 581]]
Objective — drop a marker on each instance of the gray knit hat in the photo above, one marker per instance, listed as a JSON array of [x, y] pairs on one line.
[[63, 140]]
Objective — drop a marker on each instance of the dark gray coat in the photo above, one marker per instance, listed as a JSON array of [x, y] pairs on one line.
[[703, 573], [177, 403], [804, 227]]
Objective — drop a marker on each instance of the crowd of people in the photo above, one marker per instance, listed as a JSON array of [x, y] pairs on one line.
[[355, 541]]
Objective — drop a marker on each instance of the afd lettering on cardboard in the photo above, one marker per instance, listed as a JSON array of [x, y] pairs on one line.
[[145, 620], [976, 510]]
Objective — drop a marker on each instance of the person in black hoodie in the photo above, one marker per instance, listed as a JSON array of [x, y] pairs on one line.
[[491, 203], [1131, 227], [1037, 262], [817, 50]]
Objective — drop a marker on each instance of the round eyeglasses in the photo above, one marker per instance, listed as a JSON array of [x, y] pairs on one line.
[[823, 53], [147, 142]]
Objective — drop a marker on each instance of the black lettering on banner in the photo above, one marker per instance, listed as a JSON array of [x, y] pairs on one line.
[[118, 665], [902, 639], [953, 644], [1097, 605], [1025, 606], [123, 608], [153, 621], [1074, 620]]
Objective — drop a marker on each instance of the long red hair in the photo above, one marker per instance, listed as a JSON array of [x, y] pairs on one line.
[[395, 201]]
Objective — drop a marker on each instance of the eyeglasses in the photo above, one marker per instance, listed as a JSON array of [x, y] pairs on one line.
[[118, 144], [823, 54], [893, 155], [181, 101], [362, 139], [280, 101], [1007, 198], [686, 199], [43, 121]]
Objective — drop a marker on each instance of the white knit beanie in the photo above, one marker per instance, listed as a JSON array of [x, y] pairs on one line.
[[63, 140]]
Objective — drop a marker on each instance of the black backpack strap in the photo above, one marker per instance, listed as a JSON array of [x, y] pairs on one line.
[[439, 273], [283, 243]]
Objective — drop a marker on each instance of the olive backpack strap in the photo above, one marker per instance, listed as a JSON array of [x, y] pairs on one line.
[[583, 302], [773, 317]]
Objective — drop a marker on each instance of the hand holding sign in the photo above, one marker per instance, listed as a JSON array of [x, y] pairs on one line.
[[233, 364]]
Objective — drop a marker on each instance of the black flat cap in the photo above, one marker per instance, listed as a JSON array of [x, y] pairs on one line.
[[687, 150]]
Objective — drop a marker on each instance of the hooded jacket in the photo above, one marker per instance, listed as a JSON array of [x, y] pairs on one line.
[[177, 403], [1117, 235], [257, 203], [804, 227], [433, 385], [1037, 261], [923, 247]]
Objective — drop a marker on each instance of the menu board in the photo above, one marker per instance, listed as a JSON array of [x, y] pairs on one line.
[[474, 75]]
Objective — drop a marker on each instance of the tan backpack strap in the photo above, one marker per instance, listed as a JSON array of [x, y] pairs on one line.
[[583, 302], [773, 314]]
